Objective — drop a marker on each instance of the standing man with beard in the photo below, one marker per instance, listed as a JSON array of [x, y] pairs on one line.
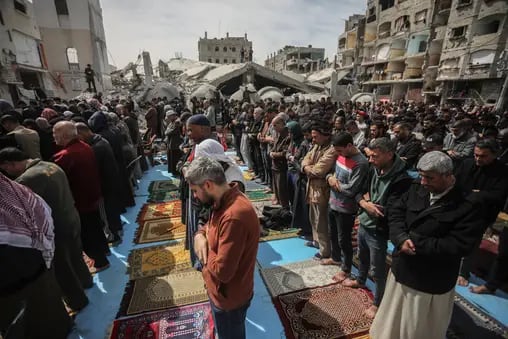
[[432, 226], [279, 162], [226, 246], [408, 147], [198, 129], [318, 162], [459, 143], [484, 180], [385, 183]]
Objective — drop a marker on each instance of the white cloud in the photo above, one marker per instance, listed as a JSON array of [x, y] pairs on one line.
[[164, 27]]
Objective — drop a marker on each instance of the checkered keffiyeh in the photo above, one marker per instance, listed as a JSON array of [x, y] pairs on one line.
[[25, 219]]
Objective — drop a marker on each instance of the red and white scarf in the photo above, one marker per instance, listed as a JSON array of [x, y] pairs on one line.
[[25, 219]]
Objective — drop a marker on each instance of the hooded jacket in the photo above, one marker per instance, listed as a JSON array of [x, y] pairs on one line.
[[384, 190]]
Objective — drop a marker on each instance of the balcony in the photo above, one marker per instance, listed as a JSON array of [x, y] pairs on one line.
[[488, 8], [412, 73], [480, 71], [396, 53], [487, 31]]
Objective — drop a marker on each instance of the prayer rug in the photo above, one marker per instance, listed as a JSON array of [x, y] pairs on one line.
[[251, 185], [332, 311], [258, 195], [158, 260], [155, 293], [248, 176], [193, 321], [277, 235], [160, 230], [164, 185], [169, 209], [469, 321], [297, 276], [163, 196]]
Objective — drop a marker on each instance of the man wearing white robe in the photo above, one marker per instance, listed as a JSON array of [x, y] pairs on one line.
[[431, 227]]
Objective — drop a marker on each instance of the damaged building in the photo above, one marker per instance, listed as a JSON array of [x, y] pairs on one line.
[[228, 50], [23, 68], [297, 59], [427, 50]]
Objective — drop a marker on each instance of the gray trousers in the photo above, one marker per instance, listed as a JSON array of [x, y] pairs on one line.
[[244, 149]]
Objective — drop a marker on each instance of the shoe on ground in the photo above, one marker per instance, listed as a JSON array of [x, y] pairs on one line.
[[318, 256], [311, 244], [305, 237]]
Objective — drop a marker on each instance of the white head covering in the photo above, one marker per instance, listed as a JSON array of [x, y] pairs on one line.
[[214, 150]]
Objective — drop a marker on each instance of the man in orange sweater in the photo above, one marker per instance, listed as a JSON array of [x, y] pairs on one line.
[[226, 246]]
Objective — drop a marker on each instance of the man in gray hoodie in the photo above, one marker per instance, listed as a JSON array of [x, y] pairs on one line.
[[385, 183]]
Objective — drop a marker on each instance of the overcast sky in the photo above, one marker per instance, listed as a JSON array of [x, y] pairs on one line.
[[164, 27]]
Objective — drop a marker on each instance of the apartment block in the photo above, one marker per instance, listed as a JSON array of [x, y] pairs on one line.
[[296, 59], [228, 50], [427, 50], [350, 42], [472, 45], [73, 36], [23, 70]]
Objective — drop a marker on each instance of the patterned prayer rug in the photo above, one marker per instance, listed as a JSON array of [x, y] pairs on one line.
[[297, 276], [164, 185], [248, 176], [470, 322], [163, 196], [155, 293], [332, 311], [169, 209], [258, 195], [277, 235], [157, 260], [193, 321], [160, 230]]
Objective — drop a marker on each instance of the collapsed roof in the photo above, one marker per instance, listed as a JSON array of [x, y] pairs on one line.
[[229, 78]]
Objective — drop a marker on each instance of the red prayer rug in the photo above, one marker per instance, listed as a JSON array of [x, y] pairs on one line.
[[332, 311], [192, 321], [168, 209]]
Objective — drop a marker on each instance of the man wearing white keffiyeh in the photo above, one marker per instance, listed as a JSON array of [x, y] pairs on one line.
[[25, 220], [28, 283]]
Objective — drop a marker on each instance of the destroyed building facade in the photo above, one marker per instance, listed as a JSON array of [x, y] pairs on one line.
[[73, 36], [228, 50], [23, 65], [427, 50], [296, 59]]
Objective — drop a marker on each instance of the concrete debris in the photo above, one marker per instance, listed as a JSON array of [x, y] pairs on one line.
[[270, 92]]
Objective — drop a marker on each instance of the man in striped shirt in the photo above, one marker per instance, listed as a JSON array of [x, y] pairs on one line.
[[351, 170]]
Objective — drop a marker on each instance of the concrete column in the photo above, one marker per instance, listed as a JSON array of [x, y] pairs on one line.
[[147, 64], [333, 86]]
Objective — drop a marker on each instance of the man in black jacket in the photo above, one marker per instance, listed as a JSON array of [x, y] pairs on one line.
[[484, 179], [109, 176], [408, 147], [432, 226]]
